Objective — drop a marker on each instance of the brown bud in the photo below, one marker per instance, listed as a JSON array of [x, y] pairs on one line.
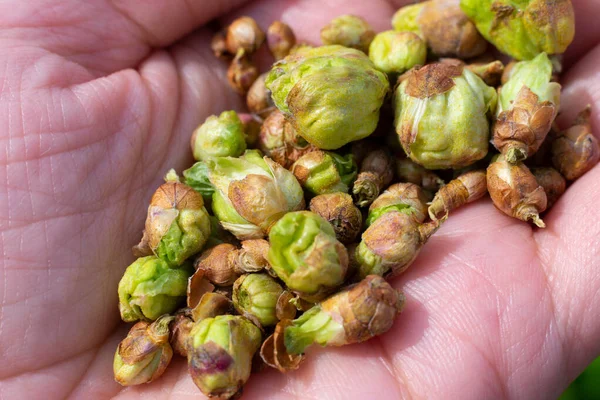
[[367, 309], [515, 191], [406, 194], [391, 244], [491, 73], [376, 172], [244, 34], [339, 210], [252, 257], [519, 132], [180, 329], [219, 46], [448, 31], [211, 305], [279, 140], [258, 98], [274, 353], [465, 189], [576, 150], [217, 265], [553, 183], [409, 171], [144, 354], [280, 39], [242, 73], [361, 149]]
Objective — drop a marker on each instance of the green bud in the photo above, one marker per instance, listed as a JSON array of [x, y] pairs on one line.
[[255, 296], [397, 52], [405, 19], [252, 193], [306, 255], [403, 197], [537, 76], [332, 94], [150, 288], [391, 244], [349, 31], [221, 136], [357, 313], [196, 177], [322, 172], [220, 352], [442, 116], [177, 225], [144, 354], [524, 28]]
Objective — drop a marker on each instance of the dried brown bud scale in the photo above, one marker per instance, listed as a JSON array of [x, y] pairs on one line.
[[491, 72], [339, 210], [515, 191], [465, 189], [180, 329], [252, 257], [211, 305]]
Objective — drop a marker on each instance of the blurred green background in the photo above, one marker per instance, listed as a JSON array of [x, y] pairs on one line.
[[586, 386]]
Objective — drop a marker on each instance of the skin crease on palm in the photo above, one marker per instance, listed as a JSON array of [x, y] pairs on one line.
[[98, 100]]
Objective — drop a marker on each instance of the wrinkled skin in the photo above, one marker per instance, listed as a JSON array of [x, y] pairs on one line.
[[494, 308]]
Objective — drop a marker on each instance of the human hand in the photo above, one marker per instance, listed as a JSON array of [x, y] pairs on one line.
[[98, 101]]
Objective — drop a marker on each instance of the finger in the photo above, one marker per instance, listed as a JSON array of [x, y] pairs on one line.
[[104, 36], [587, 31]]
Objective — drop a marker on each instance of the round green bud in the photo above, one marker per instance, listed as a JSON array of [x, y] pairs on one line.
[[442, 116], [150, 288], [220, 352], [524, 28], [349, 31], [406, 18], [252, 193], [331, 94], [397, 52], [322, 172], [221, 136], [257, 295], [306, 255], [537, 76]]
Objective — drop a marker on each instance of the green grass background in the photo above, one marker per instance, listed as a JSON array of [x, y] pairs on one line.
[[586, 386]]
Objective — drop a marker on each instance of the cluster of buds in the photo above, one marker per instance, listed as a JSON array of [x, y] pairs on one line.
[[232, 268]]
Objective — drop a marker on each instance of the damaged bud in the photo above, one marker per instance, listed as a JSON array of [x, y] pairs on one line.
[[339, 210], [515, 191], [576, 150], [465, 189]]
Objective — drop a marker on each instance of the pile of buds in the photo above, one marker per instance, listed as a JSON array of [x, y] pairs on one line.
[[285, 231]]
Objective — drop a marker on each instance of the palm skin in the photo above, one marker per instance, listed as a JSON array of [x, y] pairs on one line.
[[92, 116]]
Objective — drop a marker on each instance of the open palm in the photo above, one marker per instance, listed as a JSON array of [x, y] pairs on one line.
[[99, 98]]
